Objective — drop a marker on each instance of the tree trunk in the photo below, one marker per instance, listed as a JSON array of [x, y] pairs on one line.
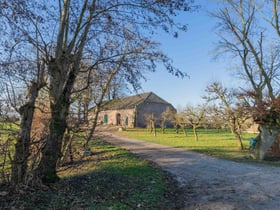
[[67, 152], [85, 111], [195, 133], [79, 111], [185, 130], [62, 79], [176, 126], [237, 133], [94, 124], [239, 139], [264, 141], [52, 148], [153, 124], [162, 127], [20, 162]]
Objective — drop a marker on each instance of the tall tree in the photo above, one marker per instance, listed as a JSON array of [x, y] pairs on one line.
[[23, 72], [71, 32], [245, 35]]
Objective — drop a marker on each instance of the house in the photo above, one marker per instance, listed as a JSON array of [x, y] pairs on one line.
[[130, 111]]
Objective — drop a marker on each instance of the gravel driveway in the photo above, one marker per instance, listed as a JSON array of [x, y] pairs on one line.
[[210, 183]]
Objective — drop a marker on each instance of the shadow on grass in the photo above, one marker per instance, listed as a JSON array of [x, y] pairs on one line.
[[110, 179]]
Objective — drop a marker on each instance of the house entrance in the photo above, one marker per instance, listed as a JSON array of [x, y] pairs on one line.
[[118, 119], [105, 120], [126, 121]]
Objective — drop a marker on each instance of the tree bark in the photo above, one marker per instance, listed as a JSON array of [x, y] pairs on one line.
[[236, 131], [61, 83], [20, 162], [52, 148], [265, 140], [239, 139], [195, 133], [93, 127]]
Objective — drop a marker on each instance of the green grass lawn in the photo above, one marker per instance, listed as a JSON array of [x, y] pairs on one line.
[[109, 179], [112, 178], [211, 142]]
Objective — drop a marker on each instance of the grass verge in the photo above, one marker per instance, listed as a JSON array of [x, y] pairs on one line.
[[212, 142], [109, 179]]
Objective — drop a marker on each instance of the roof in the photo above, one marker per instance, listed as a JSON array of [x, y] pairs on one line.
[[132, 101]]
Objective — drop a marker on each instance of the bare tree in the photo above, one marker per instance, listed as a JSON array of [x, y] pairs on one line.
[[242, 36], [166, 118], [195, 117], [68, 32], [20, 71], [118, 88], [102, 87], [181, 121], [228, 108], [151, 123]]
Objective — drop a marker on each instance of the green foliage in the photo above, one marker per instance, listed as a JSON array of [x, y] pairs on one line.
[[218, 143]]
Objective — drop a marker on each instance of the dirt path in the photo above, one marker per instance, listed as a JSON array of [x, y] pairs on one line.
[[210, 183]]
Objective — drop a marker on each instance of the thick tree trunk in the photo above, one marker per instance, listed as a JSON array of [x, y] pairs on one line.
[[264, 141], [22, 147], [52, 149], [62, 79]]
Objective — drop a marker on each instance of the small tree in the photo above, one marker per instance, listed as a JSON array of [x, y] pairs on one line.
[[151, 123], [180, 121], [195, 117], [228, 108], [166, 117]]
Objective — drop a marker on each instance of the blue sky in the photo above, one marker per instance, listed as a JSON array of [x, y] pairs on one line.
[[192, 52]]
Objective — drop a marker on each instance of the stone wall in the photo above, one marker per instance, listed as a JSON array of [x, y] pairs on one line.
[[149, 108], [131, 118], [124, 118]]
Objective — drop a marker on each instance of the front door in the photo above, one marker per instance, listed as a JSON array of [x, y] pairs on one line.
[[118, 119], [105, 119], [126, 121]]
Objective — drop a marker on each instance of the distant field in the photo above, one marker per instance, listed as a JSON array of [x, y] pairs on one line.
[[218, 143]]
